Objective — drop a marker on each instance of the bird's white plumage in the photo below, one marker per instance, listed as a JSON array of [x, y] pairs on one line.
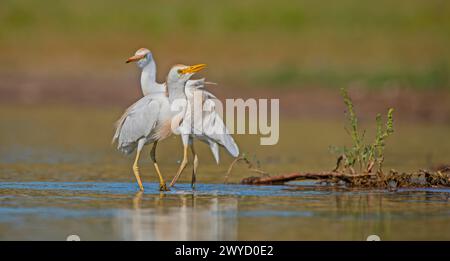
[[140, 121], [151, 118], [211, 129]]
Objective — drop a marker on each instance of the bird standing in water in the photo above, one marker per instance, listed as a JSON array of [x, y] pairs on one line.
[[158, 98], [202, 123], [189, 130], [149, 120]]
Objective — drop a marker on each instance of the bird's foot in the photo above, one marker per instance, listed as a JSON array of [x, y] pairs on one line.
[[163, 187], [173, 182]]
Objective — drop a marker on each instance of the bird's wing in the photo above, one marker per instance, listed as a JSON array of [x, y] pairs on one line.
[[138, 121], [215, 130], [214, 147], [212, 129]]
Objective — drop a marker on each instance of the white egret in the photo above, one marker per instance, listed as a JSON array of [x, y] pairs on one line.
[[144, 59], [138, 124], [149, 120], [207, 127], [211, 119]]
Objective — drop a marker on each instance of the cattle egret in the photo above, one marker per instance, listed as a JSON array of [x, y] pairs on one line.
[[149, 120], [207, 127], [189, 129]]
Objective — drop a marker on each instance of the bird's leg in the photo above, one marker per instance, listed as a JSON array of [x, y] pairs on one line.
[[136, 170], [182, 165], [162, 183], [194, 170]]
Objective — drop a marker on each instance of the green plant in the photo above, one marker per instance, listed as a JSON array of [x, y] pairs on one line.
[[364, 156]]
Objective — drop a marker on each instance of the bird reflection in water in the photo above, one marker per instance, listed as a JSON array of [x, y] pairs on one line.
[[193, 218]]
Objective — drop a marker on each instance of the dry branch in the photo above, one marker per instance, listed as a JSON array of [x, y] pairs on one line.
[[249, 165], [347, 176], [279, 179]]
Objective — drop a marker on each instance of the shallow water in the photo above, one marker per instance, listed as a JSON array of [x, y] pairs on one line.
[[298, 211], [60, 176]]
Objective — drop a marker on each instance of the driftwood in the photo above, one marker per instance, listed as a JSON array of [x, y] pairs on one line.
[[391, 180], [280, 179]]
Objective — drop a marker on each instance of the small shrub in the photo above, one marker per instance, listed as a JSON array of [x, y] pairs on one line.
[[364, 156]]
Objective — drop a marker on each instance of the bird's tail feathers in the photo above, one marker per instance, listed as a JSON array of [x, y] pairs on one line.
[[231, 146]]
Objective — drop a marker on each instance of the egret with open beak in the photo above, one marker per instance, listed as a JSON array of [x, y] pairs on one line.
[[160, 95], [210, 130]]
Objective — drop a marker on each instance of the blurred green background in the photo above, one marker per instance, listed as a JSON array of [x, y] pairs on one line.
[[246, 43], [65, 60]]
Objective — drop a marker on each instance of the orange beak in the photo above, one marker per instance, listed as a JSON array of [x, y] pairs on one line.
[[135, 58], [193, 68]]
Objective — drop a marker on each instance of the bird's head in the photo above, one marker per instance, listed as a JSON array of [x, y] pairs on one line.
[[182, 73], [142, 57]]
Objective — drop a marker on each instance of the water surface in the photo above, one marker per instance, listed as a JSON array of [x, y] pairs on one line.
[[299, 211], [59, 176]]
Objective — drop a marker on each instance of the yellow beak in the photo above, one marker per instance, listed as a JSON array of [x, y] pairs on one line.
[[193, 68], [135, 58]]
